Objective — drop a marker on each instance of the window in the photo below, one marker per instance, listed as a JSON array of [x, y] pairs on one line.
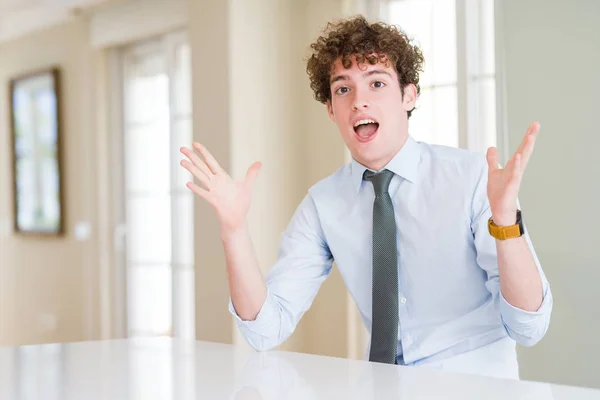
[[457, 105], [158, 208]]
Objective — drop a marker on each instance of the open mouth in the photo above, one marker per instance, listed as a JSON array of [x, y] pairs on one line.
[[366, 129]]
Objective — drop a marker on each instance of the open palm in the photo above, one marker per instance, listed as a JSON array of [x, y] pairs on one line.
[[229, 198], [504, 183]]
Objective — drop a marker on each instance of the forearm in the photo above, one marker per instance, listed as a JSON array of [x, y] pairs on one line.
[[246, 284], [520, 280], [268, 314]]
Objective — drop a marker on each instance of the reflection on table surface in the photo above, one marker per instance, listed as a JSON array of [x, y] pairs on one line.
[[165, 368]]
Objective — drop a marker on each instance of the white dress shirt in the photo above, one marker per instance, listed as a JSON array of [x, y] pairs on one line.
[[452, 314]]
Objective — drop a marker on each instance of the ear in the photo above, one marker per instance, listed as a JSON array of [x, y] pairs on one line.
[[410, 97], [330, 111]]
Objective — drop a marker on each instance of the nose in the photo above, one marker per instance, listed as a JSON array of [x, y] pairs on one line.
[[360, 103]]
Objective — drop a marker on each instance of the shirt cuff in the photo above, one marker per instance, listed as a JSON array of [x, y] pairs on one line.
[[520, 316], [265, 319]]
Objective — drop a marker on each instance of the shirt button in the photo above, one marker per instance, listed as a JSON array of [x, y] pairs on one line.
[[403, 300]]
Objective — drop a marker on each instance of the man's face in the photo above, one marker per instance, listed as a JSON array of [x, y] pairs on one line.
[[370, 111]]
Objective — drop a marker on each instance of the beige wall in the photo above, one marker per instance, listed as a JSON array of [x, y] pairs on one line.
[[51, 278], [265, 118], [264, 112], [325, 324], [240, 114], [209, 36], [552, 64]]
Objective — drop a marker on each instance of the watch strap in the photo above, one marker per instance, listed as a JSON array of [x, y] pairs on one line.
[[506, 232]]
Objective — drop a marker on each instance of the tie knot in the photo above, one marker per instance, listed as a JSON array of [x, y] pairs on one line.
[[381, 180]]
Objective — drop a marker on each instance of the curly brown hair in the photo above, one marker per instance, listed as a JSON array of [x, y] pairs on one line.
[[371, 42]]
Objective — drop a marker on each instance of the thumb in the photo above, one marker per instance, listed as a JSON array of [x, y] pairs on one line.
[[251, 175], [492, 158]]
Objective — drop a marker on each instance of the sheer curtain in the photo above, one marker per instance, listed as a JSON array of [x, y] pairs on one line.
[[159, 255], [457, 106]]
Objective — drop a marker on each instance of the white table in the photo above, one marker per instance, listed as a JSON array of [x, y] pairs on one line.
[[163, 368]]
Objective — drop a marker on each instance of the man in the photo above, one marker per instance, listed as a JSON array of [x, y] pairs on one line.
[[428, 239]]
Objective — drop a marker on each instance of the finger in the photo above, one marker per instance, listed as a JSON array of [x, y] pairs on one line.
[[532, 130], [518, 163], [205, 194], [529, 143], [530, 135], [194, 170], [191, 154], [251, 175], [514, 168], [209, 159], [492, 158]]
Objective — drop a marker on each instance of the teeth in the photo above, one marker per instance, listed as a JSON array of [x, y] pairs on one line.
[[364, 121]]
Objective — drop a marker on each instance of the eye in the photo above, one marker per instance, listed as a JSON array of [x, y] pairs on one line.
[[378, 84], [342, 90]]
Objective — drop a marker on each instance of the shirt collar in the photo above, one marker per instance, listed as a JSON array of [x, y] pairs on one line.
[[404, 164]]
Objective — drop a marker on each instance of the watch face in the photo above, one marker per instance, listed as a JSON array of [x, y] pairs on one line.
[[520, 223]]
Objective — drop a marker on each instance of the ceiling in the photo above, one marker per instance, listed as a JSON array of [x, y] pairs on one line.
[[8, 5], [19, 17]]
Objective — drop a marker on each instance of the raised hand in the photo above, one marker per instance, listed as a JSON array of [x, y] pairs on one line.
[[504, 183], [229, 198]]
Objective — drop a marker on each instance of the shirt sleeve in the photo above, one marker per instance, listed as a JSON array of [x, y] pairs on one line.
[[525, 327], [304, 262]]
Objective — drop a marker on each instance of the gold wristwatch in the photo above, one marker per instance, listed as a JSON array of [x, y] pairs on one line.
[[507, 232]]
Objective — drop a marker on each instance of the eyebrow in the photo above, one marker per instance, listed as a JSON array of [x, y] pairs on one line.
[[369, 73]]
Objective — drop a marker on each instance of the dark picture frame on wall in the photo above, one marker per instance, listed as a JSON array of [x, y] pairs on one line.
[[35, 109]]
